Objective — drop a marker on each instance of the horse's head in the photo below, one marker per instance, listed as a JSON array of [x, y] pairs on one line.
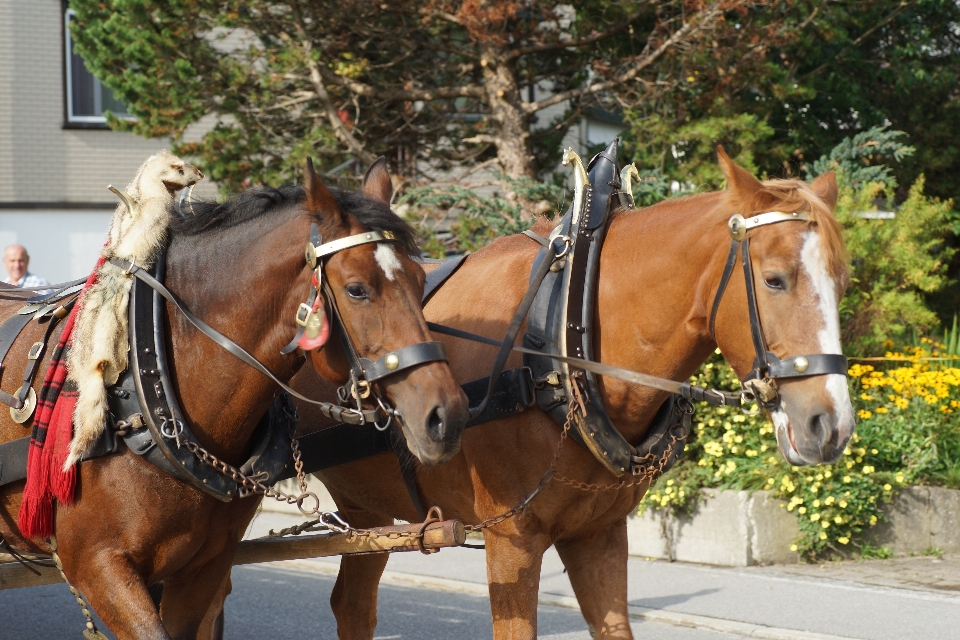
[[376, 289], [799, 275]]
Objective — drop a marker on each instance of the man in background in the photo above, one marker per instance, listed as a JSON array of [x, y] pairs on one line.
[[16, 260]]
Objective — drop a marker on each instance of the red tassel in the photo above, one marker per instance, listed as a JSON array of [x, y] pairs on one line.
[[64, 482], [36, 518]]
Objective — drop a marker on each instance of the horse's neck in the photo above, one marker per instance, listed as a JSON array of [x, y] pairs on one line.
[[238, 280], [658, 270]]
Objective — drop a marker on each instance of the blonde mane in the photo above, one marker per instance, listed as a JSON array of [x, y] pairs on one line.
[[791, 195]]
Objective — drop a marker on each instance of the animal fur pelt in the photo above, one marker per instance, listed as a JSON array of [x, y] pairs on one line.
[[137, 232]]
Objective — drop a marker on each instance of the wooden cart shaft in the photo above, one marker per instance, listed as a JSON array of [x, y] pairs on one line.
[[447, 533]]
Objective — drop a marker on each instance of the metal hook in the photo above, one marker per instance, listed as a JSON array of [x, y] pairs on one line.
[[626, 185], [125, 197], [581, 180], [186, 195]]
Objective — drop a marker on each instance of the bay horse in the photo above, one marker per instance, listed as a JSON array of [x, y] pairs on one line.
[[659, 274], [240, 266]]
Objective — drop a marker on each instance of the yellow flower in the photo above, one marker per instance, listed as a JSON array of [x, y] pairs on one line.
[[838, 520], [814, 517], [825, 524], [793, 547], [887, 487], [882, 410], [873, 520], [864, 414], [803, 510], [823, 535], [868, 469], [842, 504], [843, 540]]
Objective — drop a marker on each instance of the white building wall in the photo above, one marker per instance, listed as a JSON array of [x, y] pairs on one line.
[[53, 179], [63, 245]]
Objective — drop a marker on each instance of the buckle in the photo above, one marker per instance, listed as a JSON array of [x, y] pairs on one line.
[[35, 350], [303, 313]]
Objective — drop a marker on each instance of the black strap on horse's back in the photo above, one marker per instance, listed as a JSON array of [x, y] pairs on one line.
[[438, 276], [13, 460]]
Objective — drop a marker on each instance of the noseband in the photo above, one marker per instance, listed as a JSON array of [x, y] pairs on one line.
[[767, 367], [363, 372]]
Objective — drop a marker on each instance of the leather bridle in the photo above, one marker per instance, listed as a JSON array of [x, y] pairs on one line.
[[307, 315], [767, 366], [364, 373]]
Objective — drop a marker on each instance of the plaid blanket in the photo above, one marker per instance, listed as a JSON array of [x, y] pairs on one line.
[[50, 441]]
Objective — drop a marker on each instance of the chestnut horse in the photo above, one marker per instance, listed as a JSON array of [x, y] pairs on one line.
[[240, 266], [659, 274]]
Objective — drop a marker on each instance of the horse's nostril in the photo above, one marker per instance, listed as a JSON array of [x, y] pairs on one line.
[[435, 425]]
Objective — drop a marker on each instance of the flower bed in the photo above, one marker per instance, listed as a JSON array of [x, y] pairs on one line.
[[908, 433]]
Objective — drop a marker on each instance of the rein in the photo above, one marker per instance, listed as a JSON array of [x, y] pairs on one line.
[[767, 367]]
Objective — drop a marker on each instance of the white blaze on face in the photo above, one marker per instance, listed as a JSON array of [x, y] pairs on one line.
[[387, 260], [811, 257]]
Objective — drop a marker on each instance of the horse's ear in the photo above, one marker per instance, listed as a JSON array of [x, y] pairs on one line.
[[740, 182], [825, 187], [319, 198], [377, 184]]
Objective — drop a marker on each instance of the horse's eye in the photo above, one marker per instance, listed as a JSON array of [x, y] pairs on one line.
[[181, 172], [773, 283], [357, 291]]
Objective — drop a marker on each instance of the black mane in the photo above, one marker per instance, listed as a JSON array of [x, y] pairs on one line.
[[200, 217]]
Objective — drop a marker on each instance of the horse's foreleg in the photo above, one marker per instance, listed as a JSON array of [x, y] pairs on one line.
[[189, 601], [354, 597], [513, 576], [597, 566], [213, 623], [117, 592]]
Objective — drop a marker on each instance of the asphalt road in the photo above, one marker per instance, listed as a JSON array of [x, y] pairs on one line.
[[281, 603]]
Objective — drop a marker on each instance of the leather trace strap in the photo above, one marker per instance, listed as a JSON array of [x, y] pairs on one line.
[[767, 366]]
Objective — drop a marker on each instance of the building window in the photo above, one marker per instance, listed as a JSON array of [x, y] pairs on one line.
[[87, 98]]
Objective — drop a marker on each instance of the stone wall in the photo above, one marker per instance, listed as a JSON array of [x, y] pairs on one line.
[[741, 528]]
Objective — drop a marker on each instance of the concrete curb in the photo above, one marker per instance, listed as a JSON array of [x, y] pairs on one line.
[[401, 579], [743, 528]]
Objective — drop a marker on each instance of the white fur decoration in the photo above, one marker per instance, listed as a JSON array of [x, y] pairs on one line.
[[99, 351]]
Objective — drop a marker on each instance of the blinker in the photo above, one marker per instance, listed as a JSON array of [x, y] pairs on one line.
[[737, 227]]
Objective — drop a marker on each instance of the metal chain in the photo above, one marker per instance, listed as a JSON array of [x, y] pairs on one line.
[[651, 472], [329, 519], [544, 480]]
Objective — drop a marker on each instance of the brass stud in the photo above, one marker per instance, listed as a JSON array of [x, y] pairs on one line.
[[737, 227], [391, 362], [800, 364]]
